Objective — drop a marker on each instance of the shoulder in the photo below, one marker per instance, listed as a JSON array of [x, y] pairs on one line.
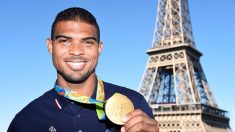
[[31, 113], [40, 102], [137, 99]]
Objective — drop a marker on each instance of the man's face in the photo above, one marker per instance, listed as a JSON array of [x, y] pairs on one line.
[[75, 50]]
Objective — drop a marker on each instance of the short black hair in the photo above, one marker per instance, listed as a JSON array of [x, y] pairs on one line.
[[73, 14]]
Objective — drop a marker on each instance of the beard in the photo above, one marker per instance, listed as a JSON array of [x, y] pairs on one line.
[[75, 77], [75, 80]]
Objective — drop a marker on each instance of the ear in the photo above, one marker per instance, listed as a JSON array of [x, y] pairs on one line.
[[49, 45], [100, 47]]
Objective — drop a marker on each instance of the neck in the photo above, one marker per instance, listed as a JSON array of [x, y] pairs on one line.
[[85, 88]]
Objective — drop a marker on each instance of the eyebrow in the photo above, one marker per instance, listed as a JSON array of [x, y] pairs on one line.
[[62, 36], [87, 38], [67, 37]]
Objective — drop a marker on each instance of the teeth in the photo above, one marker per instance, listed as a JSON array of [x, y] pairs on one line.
[[76, 63]]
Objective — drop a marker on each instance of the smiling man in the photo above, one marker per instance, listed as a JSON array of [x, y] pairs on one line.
[[76, 103]]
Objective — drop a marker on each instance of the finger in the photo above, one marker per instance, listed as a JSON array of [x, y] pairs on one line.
[[133, 114], [143, 127], [123, 129], [139, 117], [140, 120]]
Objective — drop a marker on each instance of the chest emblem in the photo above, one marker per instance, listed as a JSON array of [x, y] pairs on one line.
[[52, 129]]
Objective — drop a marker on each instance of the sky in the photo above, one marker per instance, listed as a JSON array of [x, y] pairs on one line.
[[127, 28]]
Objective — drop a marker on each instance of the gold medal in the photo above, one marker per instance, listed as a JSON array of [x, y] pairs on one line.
[[117, 107]]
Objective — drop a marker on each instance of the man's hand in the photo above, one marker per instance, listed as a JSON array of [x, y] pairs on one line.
[[137, 120]]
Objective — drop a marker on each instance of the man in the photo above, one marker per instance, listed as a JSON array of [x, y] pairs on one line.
[[72, 105]]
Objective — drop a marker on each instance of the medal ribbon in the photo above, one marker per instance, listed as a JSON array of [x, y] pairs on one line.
[[75, 96]]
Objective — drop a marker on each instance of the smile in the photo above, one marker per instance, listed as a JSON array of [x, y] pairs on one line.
[[76, 66]]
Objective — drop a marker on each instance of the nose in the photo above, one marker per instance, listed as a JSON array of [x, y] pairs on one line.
[[76, 49]]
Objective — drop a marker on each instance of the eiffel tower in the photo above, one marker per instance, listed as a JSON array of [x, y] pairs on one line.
[[174, 83]]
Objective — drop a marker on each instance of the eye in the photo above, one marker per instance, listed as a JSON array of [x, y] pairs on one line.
[[63, 41], [89, 42]]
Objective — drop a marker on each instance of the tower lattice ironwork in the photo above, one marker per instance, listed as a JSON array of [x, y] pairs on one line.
[[174, 83]]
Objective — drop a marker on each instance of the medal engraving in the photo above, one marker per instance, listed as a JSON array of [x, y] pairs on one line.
[[117, 107]]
